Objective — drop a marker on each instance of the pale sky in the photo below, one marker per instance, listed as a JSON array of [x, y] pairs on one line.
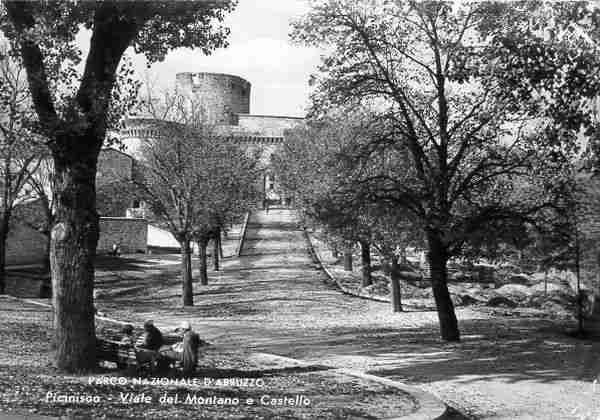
[[260, 52]]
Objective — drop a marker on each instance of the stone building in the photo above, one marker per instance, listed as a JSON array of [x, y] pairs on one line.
[[118, 220], [224, 103]]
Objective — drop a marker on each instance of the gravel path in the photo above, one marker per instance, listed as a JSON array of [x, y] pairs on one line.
[[273, 299]]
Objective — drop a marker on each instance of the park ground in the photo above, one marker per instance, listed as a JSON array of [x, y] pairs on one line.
[[274, 300]]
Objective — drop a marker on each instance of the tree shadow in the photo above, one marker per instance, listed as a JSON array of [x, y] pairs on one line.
[[515, 350]]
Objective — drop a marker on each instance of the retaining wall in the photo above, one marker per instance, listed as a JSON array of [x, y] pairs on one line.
[[133, 234]]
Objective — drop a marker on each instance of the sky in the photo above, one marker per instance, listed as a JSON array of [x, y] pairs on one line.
[[259, 51]]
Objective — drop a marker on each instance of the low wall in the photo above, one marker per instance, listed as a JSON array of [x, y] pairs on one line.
[[132, 233]]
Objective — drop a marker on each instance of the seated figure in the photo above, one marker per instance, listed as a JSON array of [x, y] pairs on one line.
[[191, 342], [127, 332], [185, 351], [153, 338], [127, 340], [148, 350]]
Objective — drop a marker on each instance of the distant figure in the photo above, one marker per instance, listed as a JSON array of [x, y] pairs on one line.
[[116, 248], [266, 205]]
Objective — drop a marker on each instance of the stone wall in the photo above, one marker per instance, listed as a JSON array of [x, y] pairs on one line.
[[222, 96], [266, 125], [133, 234], [113, 166], [24, 245]]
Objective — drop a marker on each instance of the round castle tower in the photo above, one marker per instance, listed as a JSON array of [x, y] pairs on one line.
[[222, 96]]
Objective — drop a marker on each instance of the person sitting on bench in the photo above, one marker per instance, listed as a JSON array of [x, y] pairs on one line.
[[191, 342], [185, 351], [127, 340], [127, 332], [147, 351]]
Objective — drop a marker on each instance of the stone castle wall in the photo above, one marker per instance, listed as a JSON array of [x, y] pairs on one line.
[[266, 125], [221, 96], [113, 166]]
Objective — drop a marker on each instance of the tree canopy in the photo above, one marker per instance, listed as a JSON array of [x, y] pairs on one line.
[[476, 158], [73, 112]]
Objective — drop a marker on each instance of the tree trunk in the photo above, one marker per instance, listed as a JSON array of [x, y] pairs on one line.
[[365, 253], [335, 252], [580, 328], [73, 249], [202, 244], [438, 259], [395, 280], [187, 290], [216, 251], [403, 258], [46, 261], [4, 223], [220, 245], [348, 259]]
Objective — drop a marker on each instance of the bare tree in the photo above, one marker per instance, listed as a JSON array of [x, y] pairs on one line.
[[20, 148], [194, 181]]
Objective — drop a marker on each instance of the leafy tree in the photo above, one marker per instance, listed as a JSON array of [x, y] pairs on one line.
[[315, 166], [466, 141], [546, 57], [309, 168], [73, 112]]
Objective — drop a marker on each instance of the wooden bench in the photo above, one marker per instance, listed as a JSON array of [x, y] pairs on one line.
[[130, 357], [125, 356]]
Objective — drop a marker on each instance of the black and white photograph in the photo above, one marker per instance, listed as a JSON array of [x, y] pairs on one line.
[[299, 209]]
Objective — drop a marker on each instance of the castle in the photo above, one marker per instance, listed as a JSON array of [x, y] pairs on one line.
[[225, 103], [225, 100]]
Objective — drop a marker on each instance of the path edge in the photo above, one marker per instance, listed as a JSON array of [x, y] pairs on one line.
[[319, 261], [238, 251], [429, 406]]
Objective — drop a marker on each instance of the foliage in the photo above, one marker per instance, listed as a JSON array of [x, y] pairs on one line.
[[314, 166], [194, 180], [74, 111], [475, 158]]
